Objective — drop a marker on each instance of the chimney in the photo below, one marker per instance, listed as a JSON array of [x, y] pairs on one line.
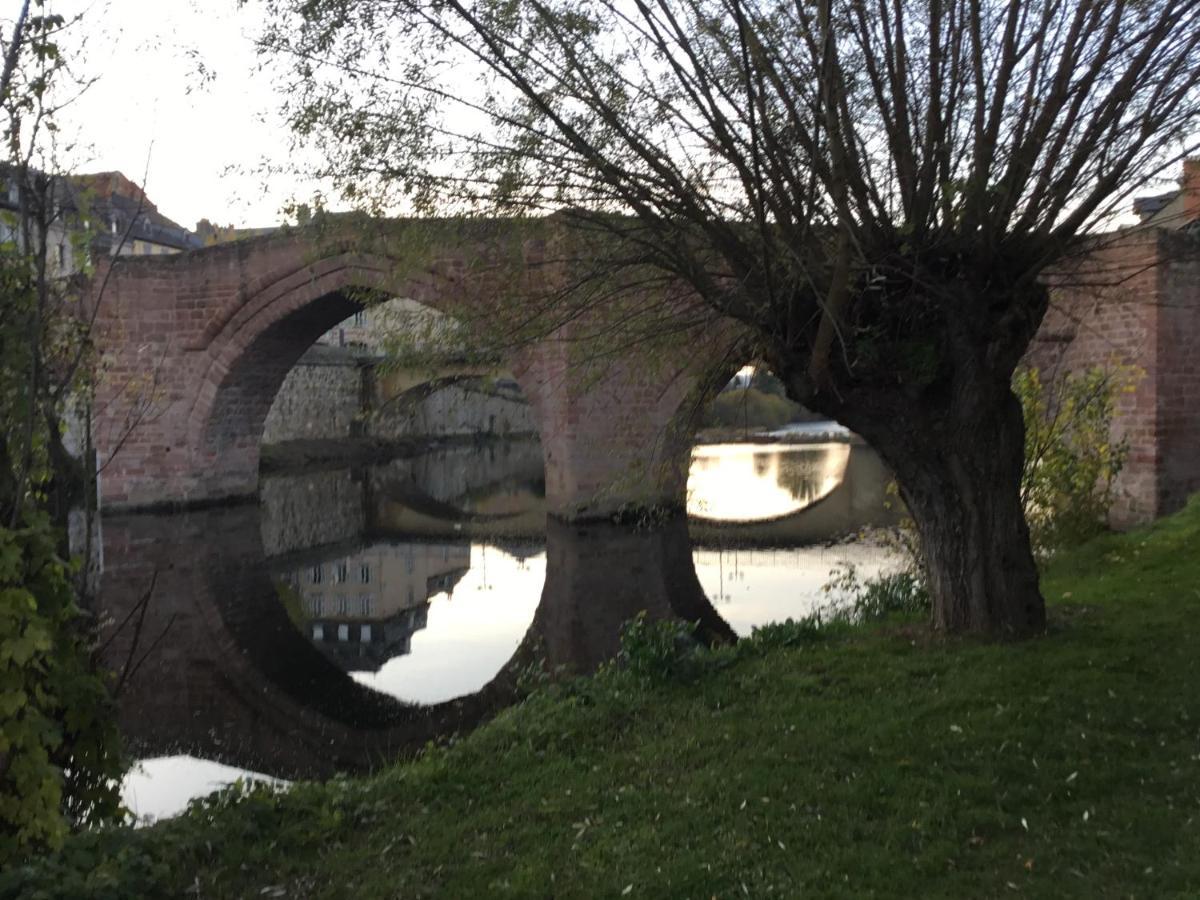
[[1190, 185]]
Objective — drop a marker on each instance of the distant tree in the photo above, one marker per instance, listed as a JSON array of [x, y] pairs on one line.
[[872, 188], [764, 380]]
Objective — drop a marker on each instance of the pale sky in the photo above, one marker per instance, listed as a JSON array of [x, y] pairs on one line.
[[197, 143]]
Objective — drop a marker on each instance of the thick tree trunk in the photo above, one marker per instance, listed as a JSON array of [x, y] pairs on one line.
[[958, 463], [962, 487]]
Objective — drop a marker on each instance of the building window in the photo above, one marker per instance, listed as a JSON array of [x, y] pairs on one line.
[[365, 574], [62, 256], [366, 605], [340, 573], [343, 632], [343, 606], [315, 605], [318, 631], [365, 634], [316, 574]]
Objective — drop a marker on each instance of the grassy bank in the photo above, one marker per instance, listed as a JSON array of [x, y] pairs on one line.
[[854, 762]]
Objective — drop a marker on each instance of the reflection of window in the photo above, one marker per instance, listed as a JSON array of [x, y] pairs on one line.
[[342, 605], [341, 573], [408, 563], [343, 632], [360, 318], [315, 604], [410, 596], [315, 574], [364, 574], [366, 604]]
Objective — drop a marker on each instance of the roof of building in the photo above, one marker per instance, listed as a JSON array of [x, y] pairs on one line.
[[1144, 207], [1178, 209], [117, 209], [127, 213]]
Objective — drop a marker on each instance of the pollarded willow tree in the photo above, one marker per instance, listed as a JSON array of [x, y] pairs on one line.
[[872, 187]]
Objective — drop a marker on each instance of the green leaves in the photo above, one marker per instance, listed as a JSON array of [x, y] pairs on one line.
[[1071, 457], [59, 747]]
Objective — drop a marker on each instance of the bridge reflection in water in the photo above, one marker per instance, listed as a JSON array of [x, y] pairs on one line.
[[298, 636]]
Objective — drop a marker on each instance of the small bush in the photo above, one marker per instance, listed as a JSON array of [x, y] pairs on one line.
[[1071, 459], [657, 650], [60, 763], [901, 592], [788, 633]]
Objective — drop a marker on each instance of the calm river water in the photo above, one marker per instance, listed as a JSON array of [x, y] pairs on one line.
[[353, 614]]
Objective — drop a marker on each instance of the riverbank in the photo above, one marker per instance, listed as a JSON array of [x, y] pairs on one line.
[[843, 762]]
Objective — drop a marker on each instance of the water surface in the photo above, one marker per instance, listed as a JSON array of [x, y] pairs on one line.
[[355, 614]]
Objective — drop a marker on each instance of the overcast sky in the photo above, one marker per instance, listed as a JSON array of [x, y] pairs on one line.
[[197, 142], [179, 104]]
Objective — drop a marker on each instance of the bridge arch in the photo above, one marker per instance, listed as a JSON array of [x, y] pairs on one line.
[[196, 346], [280, 316]]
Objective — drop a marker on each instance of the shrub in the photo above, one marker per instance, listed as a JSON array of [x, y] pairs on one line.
[[59, 748], [788, 633], [1071, 459], [901, 592], [656, 650]]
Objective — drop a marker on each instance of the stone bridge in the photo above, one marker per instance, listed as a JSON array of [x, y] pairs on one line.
[[194, 348]]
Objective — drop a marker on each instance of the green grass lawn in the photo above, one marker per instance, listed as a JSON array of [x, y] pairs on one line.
[[866, 762]]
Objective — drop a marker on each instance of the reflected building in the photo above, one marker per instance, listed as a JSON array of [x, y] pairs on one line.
[[362, 609]]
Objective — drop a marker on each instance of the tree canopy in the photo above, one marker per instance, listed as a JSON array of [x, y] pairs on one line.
[[872, 187]]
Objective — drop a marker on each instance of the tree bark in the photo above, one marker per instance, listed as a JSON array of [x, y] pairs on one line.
[[964, 494], [958, 463]]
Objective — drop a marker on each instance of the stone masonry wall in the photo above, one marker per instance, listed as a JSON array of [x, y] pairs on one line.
[[456, 410], [328, 395], [1179, 369], [321, 397], [1136, 303]]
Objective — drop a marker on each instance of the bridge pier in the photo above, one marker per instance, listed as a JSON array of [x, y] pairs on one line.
[[616, 434]]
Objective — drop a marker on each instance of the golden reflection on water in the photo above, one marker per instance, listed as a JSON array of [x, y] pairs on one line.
[[749, 482]]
